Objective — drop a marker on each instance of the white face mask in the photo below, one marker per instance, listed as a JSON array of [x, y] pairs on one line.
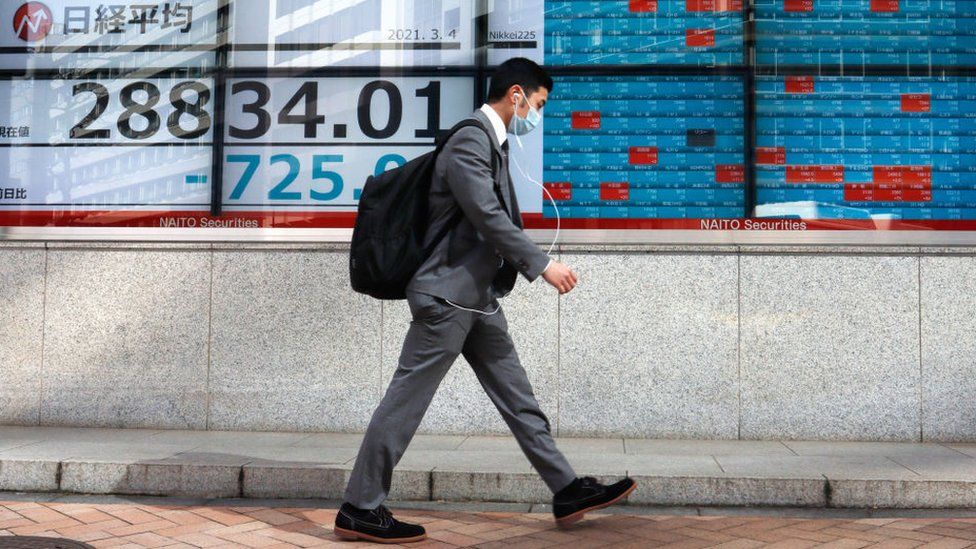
[[522, 126]]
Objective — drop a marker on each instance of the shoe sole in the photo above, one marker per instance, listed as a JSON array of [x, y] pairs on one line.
[[351, 535], [578, 515]]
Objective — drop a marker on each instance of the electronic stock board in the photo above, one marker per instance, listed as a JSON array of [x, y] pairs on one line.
[[855, 111]]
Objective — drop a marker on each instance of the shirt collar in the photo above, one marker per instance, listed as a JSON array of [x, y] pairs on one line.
[[496, 123]]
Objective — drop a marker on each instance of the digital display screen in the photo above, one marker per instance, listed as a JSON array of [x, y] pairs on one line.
[[618, 32], [637, 32], [919, 33], [652, 147], [100, 152], [866, 148], [304, 147], [666, 114]]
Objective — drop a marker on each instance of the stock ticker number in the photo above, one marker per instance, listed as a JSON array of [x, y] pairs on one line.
[[144, 105], [305, 101], [144, 110], [303, 109], [140, 100], [320, 162]]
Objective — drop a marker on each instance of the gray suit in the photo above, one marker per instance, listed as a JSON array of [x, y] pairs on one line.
[[478, 259], [476, 263]]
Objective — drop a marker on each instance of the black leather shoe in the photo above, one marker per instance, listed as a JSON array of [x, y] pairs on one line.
[[376, 525], [586, 494]]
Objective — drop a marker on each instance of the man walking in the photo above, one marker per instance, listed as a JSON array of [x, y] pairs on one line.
[[453, 302]]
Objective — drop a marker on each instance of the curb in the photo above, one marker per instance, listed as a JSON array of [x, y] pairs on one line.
[[278, 480]]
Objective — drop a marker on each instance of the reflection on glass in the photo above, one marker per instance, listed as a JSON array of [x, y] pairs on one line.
[[97, 151], [316, 33], [109, 107]]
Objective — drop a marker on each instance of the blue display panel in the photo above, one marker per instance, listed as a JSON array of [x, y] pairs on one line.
[[680, 32], [860, 148], [645, 147], [866, 32]]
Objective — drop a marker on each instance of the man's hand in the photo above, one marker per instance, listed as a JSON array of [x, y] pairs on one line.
[[560, 277]]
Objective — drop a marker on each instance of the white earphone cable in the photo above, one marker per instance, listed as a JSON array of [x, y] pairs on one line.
[[555, 207]]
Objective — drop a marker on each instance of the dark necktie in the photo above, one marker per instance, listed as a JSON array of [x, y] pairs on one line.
[[505, 173], [508, 179]]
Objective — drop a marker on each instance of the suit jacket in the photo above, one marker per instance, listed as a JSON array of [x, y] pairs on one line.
[[480, 258]]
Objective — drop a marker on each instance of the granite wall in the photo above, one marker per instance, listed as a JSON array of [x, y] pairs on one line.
[[673, 342]]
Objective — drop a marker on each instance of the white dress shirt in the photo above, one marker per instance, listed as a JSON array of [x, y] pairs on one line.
[[496, 123], [502, 133]]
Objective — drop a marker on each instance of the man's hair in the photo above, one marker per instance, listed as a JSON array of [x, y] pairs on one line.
[[518, 71]]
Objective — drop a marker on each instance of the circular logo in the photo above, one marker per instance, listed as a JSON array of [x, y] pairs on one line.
[[33, 21]]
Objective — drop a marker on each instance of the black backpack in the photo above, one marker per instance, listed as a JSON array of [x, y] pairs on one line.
[[391, 223]]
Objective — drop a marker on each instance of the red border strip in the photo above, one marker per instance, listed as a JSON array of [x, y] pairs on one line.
[[536, 221], [347, 220], [179, 219]]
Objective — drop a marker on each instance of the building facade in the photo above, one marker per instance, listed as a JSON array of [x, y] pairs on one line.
[[771, 205]]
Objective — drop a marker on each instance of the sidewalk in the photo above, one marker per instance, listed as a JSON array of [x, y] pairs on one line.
[[136, 522], [124, 522], [476, 468]]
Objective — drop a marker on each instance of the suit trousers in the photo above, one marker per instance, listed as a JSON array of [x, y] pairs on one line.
[[438, 333]]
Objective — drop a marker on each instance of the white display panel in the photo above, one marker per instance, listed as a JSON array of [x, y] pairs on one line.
[[309, 144], [72, 146], [348, 110], [516, 28], [67, 179], [118, 111]]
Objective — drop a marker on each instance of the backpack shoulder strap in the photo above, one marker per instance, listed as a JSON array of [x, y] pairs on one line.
[[495, 164], [468, 123]]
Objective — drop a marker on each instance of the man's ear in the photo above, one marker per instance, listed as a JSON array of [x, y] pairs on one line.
[[516, 92]]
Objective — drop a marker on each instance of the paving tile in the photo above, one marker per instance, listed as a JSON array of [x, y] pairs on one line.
[[949, 466], [420, 441], [146, 461], [705, 447], [466, 461], [857, 449], [129, 451], [75, 434], [227, 438], [903, 494], [247, 454], [729, 490], [260, 526], [865, 467], [965, 448]]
